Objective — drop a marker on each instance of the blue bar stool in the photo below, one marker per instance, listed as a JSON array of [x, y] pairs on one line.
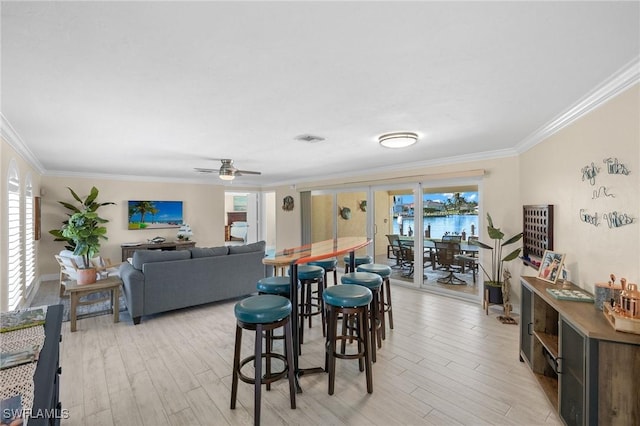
[[352, 302], [360, 260], [263, 314], [280, 286], [385, 293], [374, 283], [311, 305], [329, 265]]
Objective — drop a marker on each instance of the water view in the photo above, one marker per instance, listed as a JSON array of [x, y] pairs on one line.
[[453, 224]]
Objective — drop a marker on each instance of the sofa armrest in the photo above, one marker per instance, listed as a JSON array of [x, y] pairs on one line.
[[133, 283]]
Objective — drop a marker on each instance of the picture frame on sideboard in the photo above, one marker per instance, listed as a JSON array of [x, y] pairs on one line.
[[551, 266]]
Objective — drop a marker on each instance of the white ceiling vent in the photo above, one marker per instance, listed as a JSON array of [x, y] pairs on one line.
[[309, 138]]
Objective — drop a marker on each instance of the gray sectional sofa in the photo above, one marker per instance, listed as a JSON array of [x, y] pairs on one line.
[[160, 281]]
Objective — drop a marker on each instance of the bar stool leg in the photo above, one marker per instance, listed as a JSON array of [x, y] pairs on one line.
[[236, 365], [288, 341], [258, 375], [367, 353], [389, 306]]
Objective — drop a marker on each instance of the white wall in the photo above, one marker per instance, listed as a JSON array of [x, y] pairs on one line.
[[203, 208], [551, 174]]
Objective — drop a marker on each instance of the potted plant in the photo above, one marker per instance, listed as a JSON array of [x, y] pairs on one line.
[[494, 283], [88, 204], [86, 229]]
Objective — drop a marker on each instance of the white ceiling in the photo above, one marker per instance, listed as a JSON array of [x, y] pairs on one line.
[[154, 89]]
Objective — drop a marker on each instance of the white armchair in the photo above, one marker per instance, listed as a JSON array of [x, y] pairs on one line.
[[69, 267]]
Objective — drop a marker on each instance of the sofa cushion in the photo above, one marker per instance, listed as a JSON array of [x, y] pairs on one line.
[[140, 257], [197, 252], [259, 246]]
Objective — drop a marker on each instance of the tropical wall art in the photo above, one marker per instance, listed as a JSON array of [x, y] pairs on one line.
[[154, 214]]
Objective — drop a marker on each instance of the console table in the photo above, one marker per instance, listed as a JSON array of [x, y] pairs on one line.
[[588, 371], [127, 249]]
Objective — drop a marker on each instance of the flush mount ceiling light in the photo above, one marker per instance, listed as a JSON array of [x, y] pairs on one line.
[[398, 139], [226, 174]]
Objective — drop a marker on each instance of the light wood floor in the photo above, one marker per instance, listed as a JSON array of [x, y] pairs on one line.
[[444, 363]]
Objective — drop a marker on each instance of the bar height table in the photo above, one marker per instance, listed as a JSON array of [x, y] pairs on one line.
[[309, 253]]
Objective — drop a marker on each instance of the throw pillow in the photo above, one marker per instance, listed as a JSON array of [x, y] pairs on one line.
[[197, 252], [140, 257], [248, 248]]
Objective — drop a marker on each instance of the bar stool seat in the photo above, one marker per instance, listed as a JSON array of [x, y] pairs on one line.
[[329, 265], [350, 301], [280, 285], [385, 293], [359, 260], [374, 283], [263, 313]]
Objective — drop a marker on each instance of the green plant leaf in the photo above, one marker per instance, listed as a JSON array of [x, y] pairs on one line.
[[481, 244], [75, 195], [512, 239], [512, 255], [495, 233], [489, 220]]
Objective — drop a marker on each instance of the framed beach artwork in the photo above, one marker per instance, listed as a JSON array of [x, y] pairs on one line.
[[551, 266]]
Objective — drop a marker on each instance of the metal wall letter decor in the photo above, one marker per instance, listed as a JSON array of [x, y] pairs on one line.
[[591, 219], [617, 219], [601, 192], [614, 167], [614, 219], [589, 173]]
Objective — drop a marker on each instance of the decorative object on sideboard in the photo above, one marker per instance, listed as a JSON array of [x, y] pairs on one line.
[[184, 233], [623, 312], [287, 203], [551, 266], [607, 292]]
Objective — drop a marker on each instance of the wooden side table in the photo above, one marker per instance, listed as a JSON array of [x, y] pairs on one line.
[[111, 284]]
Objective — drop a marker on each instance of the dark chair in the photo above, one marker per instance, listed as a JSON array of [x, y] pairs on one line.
[[407, 258], [394, 246], [452, 238], [445, 256]]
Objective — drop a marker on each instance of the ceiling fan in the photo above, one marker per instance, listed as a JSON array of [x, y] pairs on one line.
[[227, 170]]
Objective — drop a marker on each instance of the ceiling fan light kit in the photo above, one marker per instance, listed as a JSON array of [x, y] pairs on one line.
[[398, 139], [227, 170]]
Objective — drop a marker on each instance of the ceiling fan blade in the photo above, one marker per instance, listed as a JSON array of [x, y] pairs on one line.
[[205, 171], [246, 172]]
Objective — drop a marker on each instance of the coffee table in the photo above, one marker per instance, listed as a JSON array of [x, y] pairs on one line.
[[111, 284]]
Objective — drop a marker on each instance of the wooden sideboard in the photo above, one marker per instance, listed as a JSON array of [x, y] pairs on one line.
[[588, 371], [127, 250]]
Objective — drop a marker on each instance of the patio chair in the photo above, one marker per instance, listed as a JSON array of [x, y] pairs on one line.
[[445, 256], [407, 258], [452, 238], [394, 245]]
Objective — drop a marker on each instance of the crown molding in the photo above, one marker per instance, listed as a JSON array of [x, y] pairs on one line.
[[408, 168], [11, 136], [626, 77]]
